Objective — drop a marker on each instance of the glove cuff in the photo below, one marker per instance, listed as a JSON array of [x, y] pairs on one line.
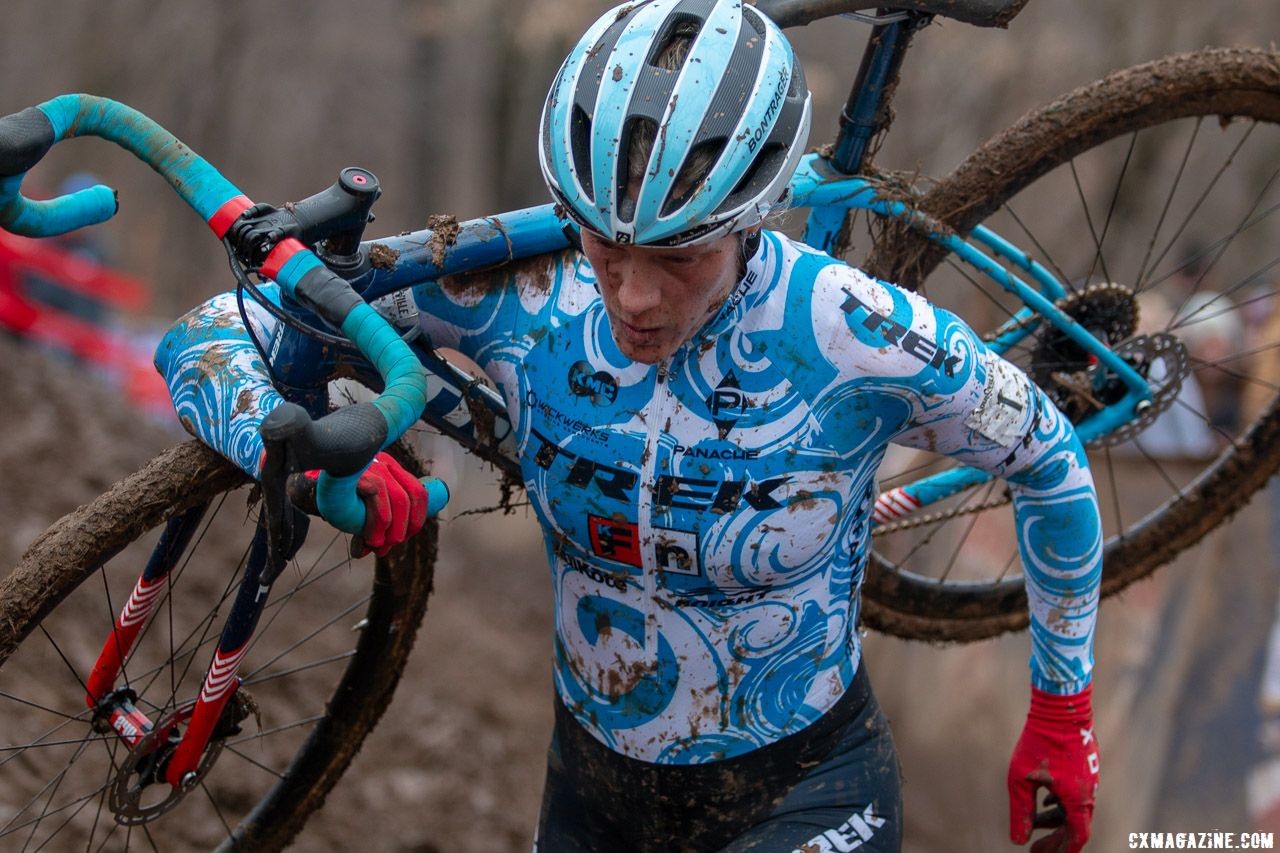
[[1056, 708]]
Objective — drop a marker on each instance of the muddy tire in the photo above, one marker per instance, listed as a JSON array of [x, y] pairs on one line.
[[1211, 117]]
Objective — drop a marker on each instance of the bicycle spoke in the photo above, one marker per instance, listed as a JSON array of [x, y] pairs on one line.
[[936, 527], [1155, 463], [964, 537], [71, 669], [251, 680], [288, 596], [1199, 201], [111, 620], [981, 288], [1164, 211], [1217, 366], [306, 721], [36, 705], [1099, 258], [310, 636], [1009, 564], [1115, 493], [1093, 232], [55, 783], [1225, 243], [1044, 253], [253, 761], [111, 770], [221, 818], [84, 802], [110, 832]]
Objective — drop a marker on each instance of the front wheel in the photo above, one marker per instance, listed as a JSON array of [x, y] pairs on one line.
[[1154, 196], [321, 667]]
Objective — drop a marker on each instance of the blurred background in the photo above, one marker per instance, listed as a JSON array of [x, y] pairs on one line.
[[440, 99]]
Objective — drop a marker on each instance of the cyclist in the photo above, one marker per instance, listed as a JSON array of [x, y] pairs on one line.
[[701, 405]]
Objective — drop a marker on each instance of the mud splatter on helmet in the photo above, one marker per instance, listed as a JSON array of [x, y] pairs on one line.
[[737, 104]]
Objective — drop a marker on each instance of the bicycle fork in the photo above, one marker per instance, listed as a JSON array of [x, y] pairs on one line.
[[117, 706]]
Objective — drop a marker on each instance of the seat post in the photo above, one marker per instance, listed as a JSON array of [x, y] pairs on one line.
[[866, 112]]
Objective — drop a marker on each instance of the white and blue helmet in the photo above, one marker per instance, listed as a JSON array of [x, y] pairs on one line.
[[739, 99]]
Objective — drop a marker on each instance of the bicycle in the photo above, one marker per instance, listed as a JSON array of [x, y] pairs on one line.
[[1078, 335]]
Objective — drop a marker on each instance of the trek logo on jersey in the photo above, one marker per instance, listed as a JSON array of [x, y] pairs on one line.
[[850, 835], [898, 335], [670, 492], [596, 384], [615, 540], [727, 403]]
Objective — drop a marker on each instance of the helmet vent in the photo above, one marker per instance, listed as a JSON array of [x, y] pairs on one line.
[[693, 173], [639, 136], [580, 136], [671, 49]]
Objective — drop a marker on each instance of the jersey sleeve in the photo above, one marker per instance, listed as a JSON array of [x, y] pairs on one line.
[[940, 388], [221, 387], [216, 376]]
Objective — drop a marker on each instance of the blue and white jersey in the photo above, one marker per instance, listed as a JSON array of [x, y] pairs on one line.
[[707, 519]]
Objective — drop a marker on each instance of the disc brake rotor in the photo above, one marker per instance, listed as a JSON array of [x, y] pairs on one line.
[[1163, 361], [138, 795]]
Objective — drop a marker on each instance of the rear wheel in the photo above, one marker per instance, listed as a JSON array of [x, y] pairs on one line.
[[313, 687], [1154, 195]]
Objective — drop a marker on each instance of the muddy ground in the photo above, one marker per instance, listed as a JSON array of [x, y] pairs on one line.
[[457, 763]]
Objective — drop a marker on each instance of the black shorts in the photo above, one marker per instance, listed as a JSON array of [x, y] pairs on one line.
[[833, 786]]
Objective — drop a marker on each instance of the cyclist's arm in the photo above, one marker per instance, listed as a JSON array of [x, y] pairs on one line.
[[217, 379], [493, 317], [994, 418], [930, 383], [221, 388]]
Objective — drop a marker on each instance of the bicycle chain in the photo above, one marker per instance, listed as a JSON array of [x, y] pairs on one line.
[[932, 517]]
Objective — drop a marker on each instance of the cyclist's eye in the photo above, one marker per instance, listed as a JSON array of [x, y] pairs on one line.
[[681, 260]]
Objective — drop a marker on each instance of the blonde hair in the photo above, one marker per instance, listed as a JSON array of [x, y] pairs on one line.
[[644, 133]]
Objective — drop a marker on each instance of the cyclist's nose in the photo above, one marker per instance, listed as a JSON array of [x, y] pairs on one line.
[[638, 290]]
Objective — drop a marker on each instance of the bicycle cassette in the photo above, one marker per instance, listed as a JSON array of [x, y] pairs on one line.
[[1059, 364]]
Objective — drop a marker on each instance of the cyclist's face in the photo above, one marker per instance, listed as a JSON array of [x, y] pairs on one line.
[[657, 299]]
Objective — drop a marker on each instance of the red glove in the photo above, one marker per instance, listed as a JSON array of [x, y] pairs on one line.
[[1058, 751], [395, 504]]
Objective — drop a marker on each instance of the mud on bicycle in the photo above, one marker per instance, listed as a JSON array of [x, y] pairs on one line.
[[1076, 323]]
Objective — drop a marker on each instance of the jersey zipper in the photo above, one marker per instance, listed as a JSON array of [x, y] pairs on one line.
[[644, 509]]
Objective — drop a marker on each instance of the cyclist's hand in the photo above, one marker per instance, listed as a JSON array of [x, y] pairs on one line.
[[395, 506], [1057, 751]]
